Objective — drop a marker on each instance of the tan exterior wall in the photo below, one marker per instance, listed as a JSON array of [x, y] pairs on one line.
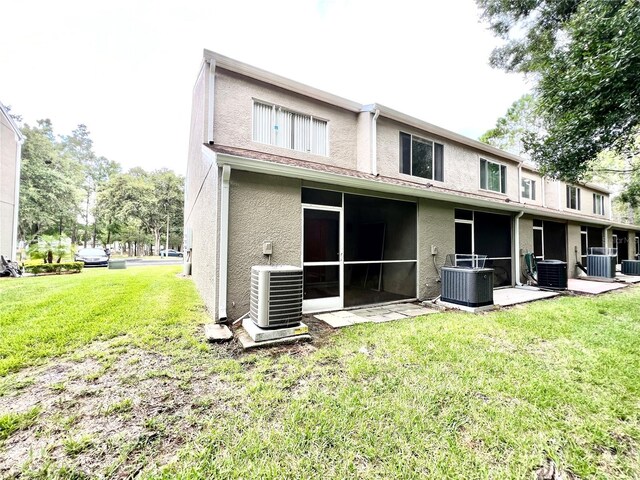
[[201, 205], [573, 246], [234, 97], [261, 208], [461, 163], [435, 227], [526, 243], [9, 148]]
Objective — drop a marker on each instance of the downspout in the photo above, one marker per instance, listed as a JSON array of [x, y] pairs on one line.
[[374, 143], [543, 181], [517, 245], [224, 244], [520, 183]]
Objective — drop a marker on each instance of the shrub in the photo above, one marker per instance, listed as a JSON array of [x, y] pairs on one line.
[[57, 268]]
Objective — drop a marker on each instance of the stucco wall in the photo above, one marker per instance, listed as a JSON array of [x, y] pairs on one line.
[[573, 245], [261, 208], [461, 163], [526, 243], [8, 171], [201, 205], [435, 227], [234, 97]]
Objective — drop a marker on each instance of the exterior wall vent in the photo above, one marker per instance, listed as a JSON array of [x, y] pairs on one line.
[[552, 274], [276, 295], [601, 262]]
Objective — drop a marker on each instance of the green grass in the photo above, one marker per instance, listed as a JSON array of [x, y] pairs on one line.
[[444, 396], [50, 316], [13, 422]]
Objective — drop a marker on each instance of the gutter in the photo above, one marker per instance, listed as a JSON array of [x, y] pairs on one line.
[[374, 143], [224, 245], [517, 245]]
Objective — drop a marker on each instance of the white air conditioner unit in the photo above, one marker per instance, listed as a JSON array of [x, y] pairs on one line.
[[276, 295]]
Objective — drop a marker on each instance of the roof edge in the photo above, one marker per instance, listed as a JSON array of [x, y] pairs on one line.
[[283, 82]]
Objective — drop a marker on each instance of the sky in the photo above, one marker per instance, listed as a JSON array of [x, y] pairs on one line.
[[126, 69]]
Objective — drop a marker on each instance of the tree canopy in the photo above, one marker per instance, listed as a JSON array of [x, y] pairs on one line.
[[585, 58], [66, 188]]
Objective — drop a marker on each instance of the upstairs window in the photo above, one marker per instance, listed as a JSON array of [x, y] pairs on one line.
[[493, 176], [274, 125], [421, 157], [598, 204], [573, 197], [528, 188]]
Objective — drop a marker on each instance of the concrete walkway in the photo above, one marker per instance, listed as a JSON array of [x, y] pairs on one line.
[[505, 297], [385, 313], [593, 287]]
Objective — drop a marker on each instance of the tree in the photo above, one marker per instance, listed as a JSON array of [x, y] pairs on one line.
[[510, 131], [49, 194], [138, 203], [585, 56]]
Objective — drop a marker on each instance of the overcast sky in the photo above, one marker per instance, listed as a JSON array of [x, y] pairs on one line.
[[126, 68]]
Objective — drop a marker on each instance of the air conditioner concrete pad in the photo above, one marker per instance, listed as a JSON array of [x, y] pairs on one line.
[[216, 332], [252, 336], [486, 308]]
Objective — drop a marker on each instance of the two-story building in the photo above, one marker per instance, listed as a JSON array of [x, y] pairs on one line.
[[10, 150], [367, 200]]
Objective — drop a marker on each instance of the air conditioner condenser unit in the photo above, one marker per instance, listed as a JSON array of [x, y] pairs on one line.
[[276, 295]]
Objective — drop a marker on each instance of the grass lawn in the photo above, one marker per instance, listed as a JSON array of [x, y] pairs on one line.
[[105, 374]]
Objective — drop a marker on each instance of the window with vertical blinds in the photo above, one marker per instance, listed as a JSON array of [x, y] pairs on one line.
[[275, 125]]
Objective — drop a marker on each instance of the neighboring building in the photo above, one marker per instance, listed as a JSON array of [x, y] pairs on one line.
[[369, 201], [10, 145]]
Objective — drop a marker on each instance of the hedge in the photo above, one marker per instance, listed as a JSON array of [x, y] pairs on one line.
[[57, 268]]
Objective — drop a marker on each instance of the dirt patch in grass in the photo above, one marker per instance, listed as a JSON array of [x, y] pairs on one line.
[[113, 416], [113, 410]]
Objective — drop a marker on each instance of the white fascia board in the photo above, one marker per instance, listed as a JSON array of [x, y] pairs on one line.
[[442, 132], [273, 79]]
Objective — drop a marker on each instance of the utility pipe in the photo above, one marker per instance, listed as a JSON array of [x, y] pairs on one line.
[[374, 143], [517, 245], [520, 183], [224, 244]]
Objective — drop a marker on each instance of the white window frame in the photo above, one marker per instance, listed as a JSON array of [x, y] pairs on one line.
[[433, 156], [577, 196], [274, 128], [532, 188], [598, 204], [500, 164]]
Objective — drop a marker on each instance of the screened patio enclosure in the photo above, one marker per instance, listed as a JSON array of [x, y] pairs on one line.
[[483, 233], [357, 249]]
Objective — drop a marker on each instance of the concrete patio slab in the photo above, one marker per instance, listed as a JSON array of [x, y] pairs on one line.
[[247, 342], [385, 313], [627, 278], [594, 288], [505, 297]]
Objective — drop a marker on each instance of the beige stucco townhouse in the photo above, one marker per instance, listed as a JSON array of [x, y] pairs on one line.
[[367, 200], [10, 146]]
